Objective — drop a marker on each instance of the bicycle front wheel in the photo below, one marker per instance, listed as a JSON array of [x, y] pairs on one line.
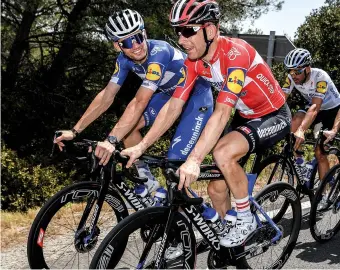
[[135, 243], [55, 241], [264, 250], [325, 211]]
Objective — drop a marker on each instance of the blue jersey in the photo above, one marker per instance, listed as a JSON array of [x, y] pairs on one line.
[[162, 70]]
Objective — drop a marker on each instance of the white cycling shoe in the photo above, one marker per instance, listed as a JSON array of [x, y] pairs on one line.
[[240, 232]]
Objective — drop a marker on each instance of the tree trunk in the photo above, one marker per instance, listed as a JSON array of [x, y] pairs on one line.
[[54, 74], [19, 44]]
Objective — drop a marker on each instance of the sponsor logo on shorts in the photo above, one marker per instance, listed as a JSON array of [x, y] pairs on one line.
[[235, 80], [321, 87], [265, 132], [194, 137], [176, 141], [152, 111], [154, 72]]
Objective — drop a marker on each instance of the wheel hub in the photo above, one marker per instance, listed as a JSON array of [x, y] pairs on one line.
[[83, 242]]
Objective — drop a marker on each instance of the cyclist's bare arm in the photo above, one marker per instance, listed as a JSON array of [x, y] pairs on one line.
[[330, 134], [310, 114], [336, 126], [98, 106], [212, 132], [132, 113], [164, 120]]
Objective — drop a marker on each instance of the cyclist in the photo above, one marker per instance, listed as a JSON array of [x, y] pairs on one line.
[[322, 96], [245, 82], [161, 67]]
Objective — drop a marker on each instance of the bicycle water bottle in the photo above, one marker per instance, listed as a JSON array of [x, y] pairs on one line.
[[160, 196], [213, 219], [142, 192], [309, 169]]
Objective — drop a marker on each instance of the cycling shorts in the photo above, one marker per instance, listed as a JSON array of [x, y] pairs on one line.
[[195, 115], [264, 132], [325, 117]]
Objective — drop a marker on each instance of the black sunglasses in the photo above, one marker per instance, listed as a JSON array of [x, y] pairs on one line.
[[188, 31]]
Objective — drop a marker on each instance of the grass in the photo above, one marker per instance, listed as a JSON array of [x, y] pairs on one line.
[[15, 227]]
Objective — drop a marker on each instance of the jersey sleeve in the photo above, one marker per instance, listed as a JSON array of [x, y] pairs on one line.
[[321, 86], [187, 81], [288, 85], [157, 65], [121, 70]]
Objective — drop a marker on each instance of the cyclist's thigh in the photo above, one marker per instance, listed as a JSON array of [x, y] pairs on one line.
[[264, 132], [193, 120], [154, 106]]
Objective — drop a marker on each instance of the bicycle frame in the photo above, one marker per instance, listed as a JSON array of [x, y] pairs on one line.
[[194, 214]]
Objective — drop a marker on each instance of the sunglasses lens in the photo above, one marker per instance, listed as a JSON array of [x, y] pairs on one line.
[[296, 71], [186, 31], [128, 42]]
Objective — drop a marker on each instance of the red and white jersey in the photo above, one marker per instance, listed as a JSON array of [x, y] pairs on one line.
[[240, 74]]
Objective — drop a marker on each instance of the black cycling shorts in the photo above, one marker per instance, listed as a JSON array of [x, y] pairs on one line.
[[264, 132], [325, 117]]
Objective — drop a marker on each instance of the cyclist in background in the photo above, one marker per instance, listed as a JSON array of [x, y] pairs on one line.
[[330, 134], [323, 98], [245, 82], [161, 67]]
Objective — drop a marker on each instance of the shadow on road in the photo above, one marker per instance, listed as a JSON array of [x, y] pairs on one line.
[[315, 252]]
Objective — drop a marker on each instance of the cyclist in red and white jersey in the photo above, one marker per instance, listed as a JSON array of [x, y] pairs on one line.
[[246, 83]]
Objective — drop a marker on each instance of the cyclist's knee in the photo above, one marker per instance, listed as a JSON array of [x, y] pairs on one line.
[[320, 157], [217, 189]]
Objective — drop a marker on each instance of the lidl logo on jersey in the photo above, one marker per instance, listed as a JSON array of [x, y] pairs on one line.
[[287, 83], [236, 78], [321, 87], [154, 72], [182, 80], [116, 68]]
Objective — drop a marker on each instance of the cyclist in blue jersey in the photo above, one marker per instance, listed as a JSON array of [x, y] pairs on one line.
[[161, 68]]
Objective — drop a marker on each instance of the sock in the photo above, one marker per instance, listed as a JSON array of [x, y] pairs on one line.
[[243, 207]]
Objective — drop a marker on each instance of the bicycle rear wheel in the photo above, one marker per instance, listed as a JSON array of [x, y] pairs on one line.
[[325, 210], [53, 242], [124, 245], [263, 252]]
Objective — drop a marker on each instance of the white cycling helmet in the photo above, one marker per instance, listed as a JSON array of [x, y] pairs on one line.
[[123, 23], [298, 58]]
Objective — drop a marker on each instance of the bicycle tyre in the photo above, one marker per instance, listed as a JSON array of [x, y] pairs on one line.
[[110, 251], [35, 243], [291, 195], [318, 236]]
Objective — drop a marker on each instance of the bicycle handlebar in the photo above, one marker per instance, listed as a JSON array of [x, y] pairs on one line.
[[182, 195]]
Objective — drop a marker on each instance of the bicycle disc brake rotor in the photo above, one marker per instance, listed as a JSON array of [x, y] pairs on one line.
[[83, 242]]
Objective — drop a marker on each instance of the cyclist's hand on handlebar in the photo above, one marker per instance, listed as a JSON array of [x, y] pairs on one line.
[[66, 135], [188, 173], [134, 153], [329, 134], [104, 152], [300, 138]]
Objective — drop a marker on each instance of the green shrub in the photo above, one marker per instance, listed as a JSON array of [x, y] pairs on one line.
[[24, 185]]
